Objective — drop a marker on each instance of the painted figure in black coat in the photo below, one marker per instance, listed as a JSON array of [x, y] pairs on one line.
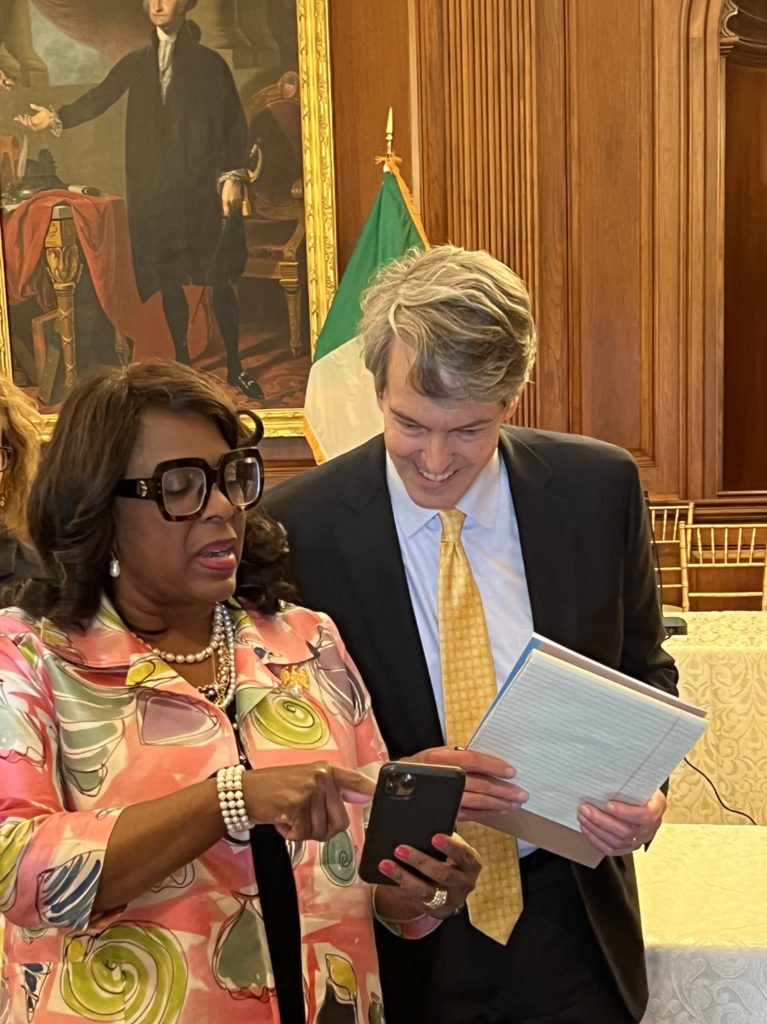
[[185, 154]]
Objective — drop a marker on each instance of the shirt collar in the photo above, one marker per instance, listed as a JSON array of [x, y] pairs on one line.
[[167, 37], [480, 502], [107, 643]]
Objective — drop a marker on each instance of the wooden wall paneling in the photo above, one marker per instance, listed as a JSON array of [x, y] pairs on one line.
[[744, 454], [698, 74], [552, 371], [608, 135], [370, 72], [662, 299], [427, 84], [611, 145], [744, 413], [669, 253], [477, 100], [702, 326]]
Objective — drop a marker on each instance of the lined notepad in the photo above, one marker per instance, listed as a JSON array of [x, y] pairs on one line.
[[577, 731]]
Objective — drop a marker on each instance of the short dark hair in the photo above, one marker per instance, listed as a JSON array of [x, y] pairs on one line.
[[71, 506]]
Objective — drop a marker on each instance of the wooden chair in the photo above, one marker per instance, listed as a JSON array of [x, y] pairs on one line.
[[665, 522], [729, 552]]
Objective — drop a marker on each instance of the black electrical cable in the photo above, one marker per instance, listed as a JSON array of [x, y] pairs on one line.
[[727, 807]]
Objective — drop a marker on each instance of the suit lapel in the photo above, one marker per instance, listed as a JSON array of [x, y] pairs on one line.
[[366, 539], [547, 537]]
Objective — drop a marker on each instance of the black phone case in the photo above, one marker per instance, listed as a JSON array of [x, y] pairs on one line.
[[412, 820]]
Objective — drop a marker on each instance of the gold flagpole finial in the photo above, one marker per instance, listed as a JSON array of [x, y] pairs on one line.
[[389, 132]]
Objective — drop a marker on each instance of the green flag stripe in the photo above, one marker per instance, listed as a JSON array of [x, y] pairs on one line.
[[388, 233]]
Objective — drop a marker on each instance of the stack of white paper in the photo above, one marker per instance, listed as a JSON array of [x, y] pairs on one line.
[[579, 732]]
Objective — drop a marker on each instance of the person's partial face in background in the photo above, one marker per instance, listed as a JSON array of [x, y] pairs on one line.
[[165, 14], [438, 448]]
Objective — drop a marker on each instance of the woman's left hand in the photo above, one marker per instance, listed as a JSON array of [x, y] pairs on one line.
[[444, 894]]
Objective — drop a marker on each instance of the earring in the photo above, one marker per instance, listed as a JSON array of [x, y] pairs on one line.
[[114, 567]]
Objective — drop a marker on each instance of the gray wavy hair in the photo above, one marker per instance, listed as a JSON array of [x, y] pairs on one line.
[[465, 315]]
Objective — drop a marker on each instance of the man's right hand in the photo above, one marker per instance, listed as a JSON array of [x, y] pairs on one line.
[[305, 801], [489, 789], [42, 118]]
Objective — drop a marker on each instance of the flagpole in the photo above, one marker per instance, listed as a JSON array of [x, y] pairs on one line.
[[389, 133]]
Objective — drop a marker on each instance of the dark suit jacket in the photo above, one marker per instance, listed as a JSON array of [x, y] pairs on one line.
[[588, 562]]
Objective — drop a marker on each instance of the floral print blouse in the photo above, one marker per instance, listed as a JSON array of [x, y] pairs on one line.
[[91, 722]]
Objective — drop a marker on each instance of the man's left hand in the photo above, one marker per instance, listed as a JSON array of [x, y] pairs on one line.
[[232, 195], [622, 828]]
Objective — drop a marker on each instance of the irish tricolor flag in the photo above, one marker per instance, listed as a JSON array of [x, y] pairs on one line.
[[340, 410]]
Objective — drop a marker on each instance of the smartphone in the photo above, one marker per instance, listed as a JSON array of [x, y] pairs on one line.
[[412, 803]]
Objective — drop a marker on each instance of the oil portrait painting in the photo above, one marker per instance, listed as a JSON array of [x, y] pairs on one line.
[[166, 175]]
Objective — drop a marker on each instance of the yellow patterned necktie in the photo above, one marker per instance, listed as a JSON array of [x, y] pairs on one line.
[[468, 686]]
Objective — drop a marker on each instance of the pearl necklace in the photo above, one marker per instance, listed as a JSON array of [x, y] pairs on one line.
[[220, 692], [216, 636]]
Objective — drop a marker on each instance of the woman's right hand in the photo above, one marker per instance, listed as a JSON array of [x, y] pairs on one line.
[[305, 801], [42, 118]]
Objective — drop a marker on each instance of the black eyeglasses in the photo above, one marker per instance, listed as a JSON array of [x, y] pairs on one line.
[[6, 454], [181, 487]]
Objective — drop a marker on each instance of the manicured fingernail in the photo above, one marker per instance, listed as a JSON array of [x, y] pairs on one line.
[[386, 867], [402, 853], [439, 841]]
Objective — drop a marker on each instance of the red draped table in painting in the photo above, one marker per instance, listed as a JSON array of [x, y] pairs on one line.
[[46, 240]]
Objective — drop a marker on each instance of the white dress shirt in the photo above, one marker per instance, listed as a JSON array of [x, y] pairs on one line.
[[165, 58], [490, 538]]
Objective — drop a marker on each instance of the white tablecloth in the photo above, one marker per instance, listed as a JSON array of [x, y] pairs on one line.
[[703, 892], [723, 668]]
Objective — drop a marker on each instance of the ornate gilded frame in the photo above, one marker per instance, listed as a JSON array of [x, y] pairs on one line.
[[319, 200]]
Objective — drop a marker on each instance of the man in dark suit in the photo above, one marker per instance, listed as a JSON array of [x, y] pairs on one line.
[[557, 538]]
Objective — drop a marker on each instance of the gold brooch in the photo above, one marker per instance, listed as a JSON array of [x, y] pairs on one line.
[[293, 679]]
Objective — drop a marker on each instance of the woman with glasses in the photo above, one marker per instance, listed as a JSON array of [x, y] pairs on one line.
[[19, 457], [184, 756]]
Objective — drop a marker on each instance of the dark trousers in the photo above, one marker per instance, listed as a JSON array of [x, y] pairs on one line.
[[226, 312], [551, 971]]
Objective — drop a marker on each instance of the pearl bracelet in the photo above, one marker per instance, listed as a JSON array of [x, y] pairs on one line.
[[231, 801]]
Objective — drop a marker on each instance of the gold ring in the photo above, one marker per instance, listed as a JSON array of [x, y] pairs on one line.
[[438, 900]]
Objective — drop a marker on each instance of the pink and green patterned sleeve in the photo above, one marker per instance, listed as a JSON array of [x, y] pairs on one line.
[[50, 858]]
